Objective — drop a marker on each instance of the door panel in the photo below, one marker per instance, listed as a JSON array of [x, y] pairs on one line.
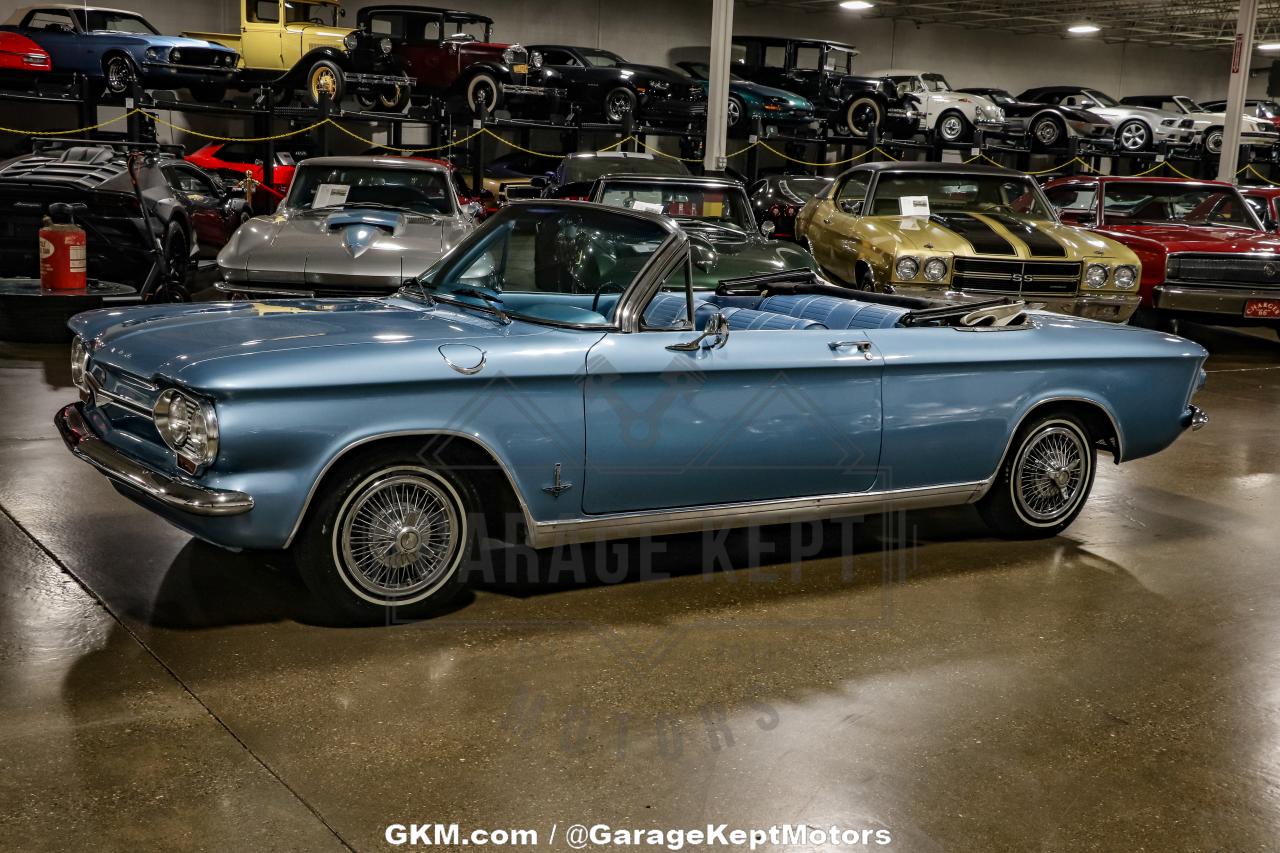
[[771, 414]]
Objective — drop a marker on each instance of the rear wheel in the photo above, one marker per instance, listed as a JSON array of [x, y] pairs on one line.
[[1133, 136], [483, 88], [387, 541], [618, 104], [1213, 138], [737, 113], [175, 285], [1043, 481]]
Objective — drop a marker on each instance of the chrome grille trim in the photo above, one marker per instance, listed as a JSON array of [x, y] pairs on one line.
[[1016, 276], [1257, 269]]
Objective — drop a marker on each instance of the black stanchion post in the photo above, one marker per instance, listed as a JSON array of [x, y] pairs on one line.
[[477, 148], [263, 123], [134, 101], [88, 106], [322, 132], [873, 144], [753, 149], [397, 133], [629, 131]]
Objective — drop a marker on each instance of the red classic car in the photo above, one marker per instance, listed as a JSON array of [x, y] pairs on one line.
[[1205, 253], [231, 160], [1265, 202], [19, 53], [453, 55]]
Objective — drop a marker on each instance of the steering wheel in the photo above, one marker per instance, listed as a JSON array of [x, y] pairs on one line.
[[608, 285], [998, 208]]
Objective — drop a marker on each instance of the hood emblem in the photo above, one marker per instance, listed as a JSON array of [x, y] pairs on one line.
[[1270, 270], [357, 239]]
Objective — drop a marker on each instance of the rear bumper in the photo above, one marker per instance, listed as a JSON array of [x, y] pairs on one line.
[[1224, 302], [178, 493]]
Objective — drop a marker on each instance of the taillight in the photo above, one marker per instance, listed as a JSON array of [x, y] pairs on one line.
[[791, 210], [775, 210]]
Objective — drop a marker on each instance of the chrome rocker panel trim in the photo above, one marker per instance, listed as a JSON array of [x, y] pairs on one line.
[[547, 534], [177, 492]]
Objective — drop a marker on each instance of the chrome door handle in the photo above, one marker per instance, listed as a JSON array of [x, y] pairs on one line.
[[863, 346]]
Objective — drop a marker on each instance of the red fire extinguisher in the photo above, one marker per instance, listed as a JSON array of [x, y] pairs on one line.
[[62, 252]]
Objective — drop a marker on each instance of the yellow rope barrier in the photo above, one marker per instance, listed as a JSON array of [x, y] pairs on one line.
[[375, 143], [100, 124], [211, 136], [1259, 175]]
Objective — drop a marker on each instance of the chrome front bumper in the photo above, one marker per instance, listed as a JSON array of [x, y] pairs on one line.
[[1208, 299], [177, 492], [1110, 307]]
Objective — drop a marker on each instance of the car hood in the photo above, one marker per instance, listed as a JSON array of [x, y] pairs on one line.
[[1195, 238], [191, 343], [374, 248], [179, 41], [657, 72], [931, 234], [744, 87]]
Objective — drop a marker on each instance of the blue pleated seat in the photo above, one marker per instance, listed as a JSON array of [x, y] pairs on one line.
[[836, 313]]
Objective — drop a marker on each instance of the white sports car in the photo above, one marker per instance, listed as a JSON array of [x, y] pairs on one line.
[[952, 115]]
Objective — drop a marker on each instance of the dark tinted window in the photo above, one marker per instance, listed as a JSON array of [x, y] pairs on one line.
[[591, 167], [419, 190]]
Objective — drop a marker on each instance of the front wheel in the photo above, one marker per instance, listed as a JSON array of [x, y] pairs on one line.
[[1047, 132], [954, 127], [325, 76], [387, 541], [863, 116], [1044, 480], [118, 74], [1133, 136], [737, 113], [483, 89], [1213, 139], [618, 104]]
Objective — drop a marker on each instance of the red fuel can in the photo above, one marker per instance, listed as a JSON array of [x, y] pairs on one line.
[[62, 257]]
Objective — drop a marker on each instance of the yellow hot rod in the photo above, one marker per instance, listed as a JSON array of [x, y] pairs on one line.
[[935, 229]]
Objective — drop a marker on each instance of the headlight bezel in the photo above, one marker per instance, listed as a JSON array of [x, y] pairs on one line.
[[175, 55], [351, 40], [535, 59], [80, 364], [1131, 273], [940, 275], [385, 46], [912, 263], [1090, 269], [193, 436]]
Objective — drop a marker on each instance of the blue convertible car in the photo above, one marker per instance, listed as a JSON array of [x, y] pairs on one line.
[[556, 378], [117, 47]]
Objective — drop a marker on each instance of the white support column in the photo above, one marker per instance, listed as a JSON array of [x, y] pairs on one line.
[[718, 85], [1241, 55]]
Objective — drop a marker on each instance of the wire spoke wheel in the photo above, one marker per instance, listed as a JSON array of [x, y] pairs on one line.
[[119, 74], [399, 535], [1050, 474]]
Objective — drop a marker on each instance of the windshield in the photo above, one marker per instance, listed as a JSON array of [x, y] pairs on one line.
[[424, 191], [719, 208], [998, 194], [589, 168], [602, 58], [935, 83], [1001, 97], [1159, 203], [840, 60], [296, 12], [702, 71], [103, 20], [1188, 105], [1102, 98], [555, 264], [803, 188]]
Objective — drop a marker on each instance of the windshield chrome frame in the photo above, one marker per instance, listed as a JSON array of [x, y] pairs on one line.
[[1101, 202], [626, 313], [869, 199]]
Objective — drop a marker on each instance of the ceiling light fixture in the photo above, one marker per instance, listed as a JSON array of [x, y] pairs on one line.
[[1082, 29], [856, 5]]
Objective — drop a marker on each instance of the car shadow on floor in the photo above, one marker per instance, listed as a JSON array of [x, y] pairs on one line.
[[207, 587]]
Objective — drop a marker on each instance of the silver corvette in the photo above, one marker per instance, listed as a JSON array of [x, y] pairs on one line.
[[349, 226]]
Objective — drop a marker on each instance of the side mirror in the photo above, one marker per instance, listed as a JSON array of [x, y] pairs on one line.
[[767, 228], [853, 208], [539, 182], [714, 336], [1083, 218], [474, 209], [703, 254]]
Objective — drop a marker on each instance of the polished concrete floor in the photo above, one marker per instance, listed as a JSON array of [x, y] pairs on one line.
[[1115, 689]]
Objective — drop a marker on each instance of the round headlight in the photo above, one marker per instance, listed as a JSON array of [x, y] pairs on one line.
[[351, 41], [907, 268], [80, 364], [935, 269], [153, 54], [384, 45], [1095, 275], [175, 55], [189, 427], [1125, 277], [535, 59]]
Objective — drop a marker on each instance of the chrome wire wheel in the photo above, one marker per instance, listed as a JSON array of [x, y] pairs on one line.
[[399, 536], [617, 105], [1046, 132], [119, 74], [1050, 473], [1133, 136]]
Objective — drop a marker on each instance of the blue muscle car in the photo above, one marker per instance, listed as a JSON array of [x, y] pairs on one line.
[[556, 379], [117, 47]]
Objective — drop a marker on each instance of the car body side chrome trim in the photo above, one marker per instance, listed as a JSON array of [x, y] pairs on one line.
[[714, 517], [176, 492]]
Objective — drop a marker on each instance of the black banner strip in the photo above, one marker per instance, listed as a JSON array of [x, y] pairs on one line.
[[984, 239], [1040, 243]]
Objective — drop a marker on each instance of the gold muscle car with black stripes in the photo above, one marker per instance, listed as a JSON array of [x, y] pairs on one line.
[[964, 232]]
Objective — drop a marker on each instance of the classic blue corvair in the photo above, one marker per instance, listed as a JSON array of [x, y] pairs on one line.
[[558, 369]]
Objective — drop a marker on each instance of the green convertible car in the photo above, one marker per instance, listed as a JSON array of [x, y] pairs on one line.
[[716, 214]]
